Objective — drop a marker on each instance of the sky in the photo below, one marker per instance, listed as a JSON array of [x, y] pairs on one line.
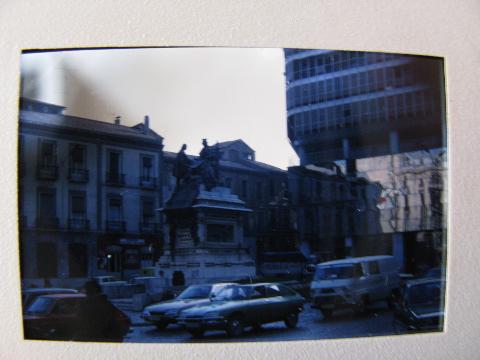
[[188, 93]]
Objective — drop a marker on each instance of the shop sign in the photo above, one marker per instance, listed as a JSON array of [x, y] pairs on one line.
[[132, 241]]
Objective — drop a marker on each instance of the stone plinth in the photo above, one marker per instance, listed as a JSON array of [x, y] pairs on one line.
[[205, 241]]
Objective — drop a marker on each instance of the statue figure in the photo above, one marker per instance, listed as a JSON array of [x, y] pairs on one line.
[[210, 158], [181, 169]]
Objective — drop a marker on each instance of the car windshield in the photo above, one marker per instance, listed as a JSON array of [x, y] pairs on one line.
[[425, 294], [196, 292], [330, 272], [40, 306], [233, 293]]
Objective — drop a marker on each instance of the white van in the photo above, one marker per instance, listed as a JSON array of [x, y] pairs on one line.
[[354, 283]]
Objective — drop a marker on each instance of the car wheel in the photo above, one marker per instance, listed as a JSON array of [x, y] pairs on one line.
[[392, 300], [291, 320], [161, 325], [257, 327], [235, 326], [327, 313], [196, 333], [361, 307]]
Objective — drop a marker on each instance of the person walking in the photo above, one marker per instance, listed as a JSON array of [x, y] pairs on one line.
[[98, 319]]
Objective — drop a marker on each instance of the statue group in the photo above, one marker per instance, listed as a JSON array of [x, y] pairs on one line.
[[203, 170]]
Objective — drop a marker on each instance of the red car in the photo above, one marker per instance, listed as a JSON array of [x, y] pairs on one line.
[[55, 317]]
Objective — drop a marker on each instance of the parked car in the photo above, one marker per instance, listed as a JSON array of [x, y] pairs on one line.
[[421, 305], [238, 306], [108, 280], [354, 283], [54, 317], [435, 272], [164, 313], [29, 295]]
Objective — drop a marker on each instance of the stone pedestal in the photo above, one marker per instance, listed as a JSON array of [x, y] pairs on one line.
[[204, 242]]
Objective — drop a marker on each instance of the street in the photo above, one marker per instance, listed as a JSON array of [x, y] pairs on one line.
[[311, 326]]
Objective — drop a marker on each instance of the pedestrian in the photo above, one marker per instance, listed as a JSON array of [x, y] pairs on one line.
[[98, 319]]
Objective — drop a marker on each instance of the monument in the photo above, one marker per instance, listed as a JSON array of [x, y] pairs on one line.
[[204, 240]]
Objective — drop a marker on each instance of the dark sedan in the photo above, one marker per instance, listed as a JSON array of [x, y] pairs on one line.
[[240, 306], [55, 317], [421, 306], [166, 312], [29, 295]]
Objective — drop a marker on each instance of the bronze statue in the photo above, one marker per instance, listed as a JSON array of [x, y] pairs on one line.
[[181, 168], [210, 159]]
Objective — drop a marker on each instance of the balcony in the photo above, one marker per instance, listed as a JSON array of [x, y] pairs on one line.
[[47, 172], [148, 182], [78, 175], [115, 226], [47, 222], [78, 224], [149, 228], [115, 179]]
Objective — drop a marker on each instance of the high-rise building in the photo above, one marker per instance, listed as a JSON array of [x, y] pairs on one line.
[[346, 105]]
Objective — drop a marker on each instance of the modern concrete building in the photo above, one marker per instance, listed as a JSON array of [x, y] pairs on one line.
[[346, 105], [88, 191]]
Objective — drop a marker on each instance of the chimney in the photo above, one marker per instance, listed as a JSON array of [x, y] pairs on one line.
[[146, 124], [117, 120]]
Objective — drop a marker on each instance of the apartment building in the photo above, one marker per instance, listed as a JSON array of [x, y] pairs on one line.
[[88, 191]]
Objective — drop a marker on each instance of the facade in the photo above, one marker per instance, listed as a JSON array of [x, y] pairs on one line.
[[412, 204], [335, 214], [88, 191], [346, 105], [372, 113]]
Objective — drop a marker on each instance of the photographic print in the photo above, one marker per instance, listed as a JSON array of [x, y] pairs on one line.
[[179, 195]]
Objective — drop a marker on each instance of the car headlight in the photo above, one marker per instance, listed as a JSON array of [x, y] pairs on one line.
[[212, 314]]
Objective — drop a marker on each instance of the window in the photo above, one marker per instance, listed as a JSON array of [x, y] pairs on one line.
[[114, 166], [48, 153], [78, 209], [147, 167], [273, 290], [115, 212], [114, 162], [46, 208], [77, 156], [115, 221], [148, 211], [77, 204]]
